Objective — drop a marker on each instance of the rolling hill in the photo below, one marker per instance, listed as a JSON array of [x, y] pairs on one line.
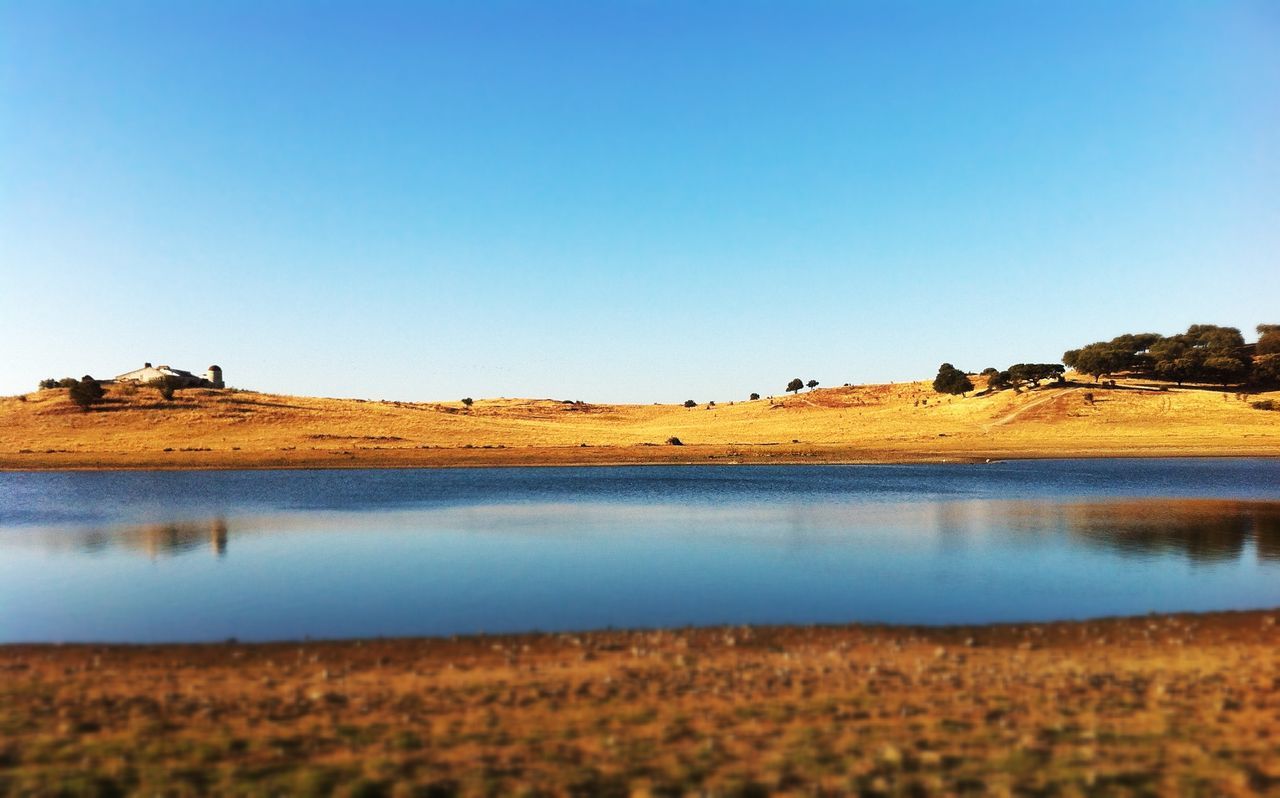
[[905, 422]]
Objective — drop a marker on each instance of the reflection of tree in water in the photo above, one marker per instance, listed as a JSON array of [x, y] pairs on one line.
[[1205, 531], [165, 539], [218, 536], [1267, 536]]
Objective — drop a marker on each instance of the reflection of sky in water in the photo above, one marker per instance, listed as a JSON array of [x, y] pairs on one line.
[[1202, 530], [556, 557], [81, 498]]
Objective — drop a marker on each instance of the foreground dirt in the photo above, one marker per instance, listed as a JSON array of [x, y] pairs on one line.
[[908, 422], [1159, 705]]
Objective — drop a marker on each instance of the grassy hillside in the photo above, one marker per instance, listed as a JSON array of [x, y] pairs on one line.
[[873, 423]]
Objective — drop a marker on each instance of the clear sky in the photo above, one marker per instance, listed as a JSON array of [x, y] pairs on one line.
[[625, 201]]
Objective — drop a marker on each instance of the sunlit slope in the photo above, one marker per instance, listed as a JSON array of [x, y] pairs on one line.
[[863, 423]]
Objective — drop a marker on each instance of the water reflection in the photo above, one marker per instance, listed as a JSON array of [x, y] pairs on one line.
[[545, 561], [154, 540], [1203, 531]]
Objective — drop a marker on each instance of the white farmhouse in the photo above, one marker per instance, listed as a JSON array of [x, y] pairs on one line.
[[212, 377]]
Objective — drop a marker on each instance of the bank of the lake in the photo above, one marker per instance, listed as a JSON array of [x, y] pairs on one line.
[[1183, 704]]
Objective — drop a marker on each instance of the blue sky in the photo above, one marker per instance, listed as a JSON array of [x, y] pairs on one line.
[[625, 201]]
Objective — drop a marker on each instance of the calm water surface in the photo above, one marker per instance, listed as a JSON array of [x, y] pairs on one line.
[[153, 556]]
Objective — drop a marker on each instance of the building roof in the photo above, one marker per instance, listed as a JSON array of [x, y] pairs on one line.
[[153, 372]]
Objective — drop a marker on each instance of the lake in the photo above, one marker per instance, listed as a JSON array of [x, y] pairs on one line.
[[262, 555]]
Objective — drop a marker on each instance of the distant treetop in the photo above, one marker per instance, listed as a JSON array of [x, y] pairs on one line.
[[1269, 339], [951, 380], [1205, 353]]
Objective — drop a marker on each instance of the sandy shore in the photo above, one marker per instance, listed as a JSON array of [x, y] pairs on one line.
[[1157, 705]]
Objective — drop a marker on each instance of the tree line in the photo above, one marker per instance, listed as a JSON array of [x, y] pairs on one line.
[[951, 380], [1205, 353]]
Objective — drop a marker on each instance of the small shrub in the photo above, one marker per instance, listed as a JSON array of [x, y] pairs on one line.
[[690, 403], [46, 384], [86, 393], [1265, 404], [166, 385], [468, 401], [755, 396], [674, 441]]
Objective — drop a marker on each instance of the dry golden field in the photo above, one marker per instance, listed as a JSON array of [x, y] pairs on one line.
[[872, 423], [1159, 705]]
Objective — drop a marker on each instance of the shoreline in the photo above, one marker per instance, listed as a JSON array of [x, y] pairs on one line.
[[994, 630], [1175, 703], [604, 457]]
